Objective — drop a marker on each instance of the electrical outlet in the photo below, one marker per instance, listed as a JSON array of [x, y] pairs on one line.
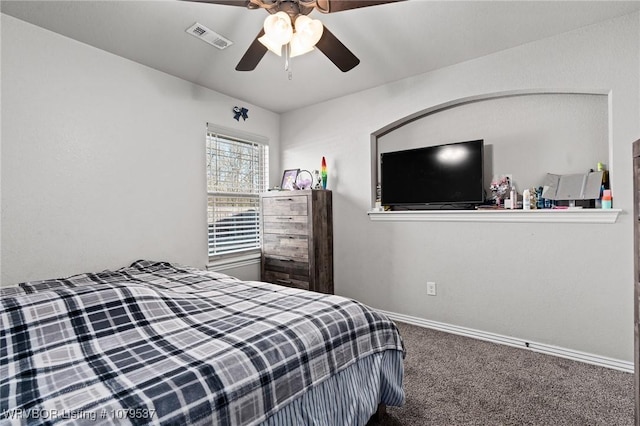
[[431, 288]]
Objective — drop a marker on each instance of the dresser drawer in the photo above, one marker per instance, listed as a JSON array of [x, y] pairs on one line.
[[284, 279], [295, 225], [294, 270], [286, 205], [295, 247]]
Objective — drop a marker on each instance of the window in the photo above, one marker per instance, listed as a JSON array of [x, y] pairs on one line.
[[237, 172]]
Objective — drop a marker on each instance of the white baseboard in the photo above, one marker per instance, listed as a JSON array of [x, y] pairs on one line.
[[588, 358]]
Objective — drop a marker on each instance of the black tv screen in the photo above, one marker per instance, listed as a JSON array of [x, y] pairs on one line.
[[440, 175]]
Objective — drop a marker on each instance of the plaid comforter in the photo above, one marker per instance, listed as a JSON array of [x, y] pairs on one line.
[[157, 343]]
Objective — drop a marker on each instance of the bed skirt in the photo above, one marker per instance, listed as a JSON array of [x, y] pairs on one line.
[[336, 401]]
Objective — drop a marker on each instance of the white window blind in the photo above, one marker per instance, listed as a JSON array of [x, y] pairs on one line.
[[237, 172]]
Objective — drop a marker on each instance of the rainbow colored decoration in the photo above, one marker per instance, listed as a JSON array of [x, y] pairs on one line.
[[324, 173]]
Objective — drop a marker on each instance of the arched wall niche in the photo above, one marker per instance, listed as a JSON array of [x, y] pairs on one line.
[[526, 133]]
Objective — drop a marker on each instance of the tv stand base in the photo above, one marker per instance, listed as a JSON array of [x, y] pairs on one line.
[[434, 207]]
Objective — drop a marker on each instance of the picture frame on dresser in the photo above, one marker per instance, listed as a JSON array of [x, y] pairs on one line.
[[289, 179]]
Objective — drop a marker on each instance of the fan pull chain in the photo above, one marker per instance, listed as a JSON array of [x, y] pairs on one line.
[[287, 60], [287, 56]]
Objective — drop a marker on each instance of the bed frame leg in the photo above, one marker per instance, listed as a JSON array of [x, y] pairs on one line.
[[380, 412], [378, 417]]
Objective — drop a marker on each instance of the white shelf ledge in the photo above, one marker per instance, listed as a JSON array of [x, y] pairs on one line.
[[541, 216]]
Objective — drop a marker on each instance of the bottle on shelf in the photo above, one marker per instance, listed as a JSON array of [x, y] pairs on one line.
[[606, 199], [378, 205], [539, 199], [526, 200], [514, 197], [604, 186], [605, 176]]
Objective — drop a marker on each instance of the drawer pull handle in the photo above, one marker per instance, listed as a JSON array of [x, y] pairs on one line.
[[284, 218], [284, 199], [284, 281], [279, 258]]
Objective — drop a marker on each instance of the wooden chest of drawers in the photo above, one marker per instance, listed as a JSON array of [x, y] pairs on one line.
[[297, 239]]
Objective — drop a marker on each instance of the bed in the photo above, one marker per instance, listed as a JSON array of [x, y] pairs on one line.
[[160, 343]]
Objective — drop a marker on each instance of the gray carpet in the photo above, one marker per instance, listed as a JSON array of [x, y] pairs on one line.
[[455, 380]]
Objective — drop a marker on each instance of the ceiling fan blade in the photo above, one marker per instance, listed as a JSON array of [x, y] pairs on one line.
[[332, 6], [336, 51], [253, 55]]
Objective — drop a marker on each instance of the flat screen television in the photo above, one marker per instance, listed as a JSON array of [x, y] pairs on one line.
[[441, 176]]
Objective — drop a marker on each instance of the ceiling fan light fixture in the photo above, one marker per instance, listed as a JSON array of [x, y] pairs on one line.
[[278, 28], [278, 33], [308, 30], [271, 45], [298, 46]]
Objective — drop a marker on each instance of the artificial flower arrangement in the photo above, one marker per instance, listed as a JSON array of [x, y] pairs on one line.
[[500, 187]]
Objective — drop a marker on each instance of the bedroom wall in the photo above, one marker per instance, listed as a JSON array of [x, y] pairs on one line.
[[102, 158], [564, 285]]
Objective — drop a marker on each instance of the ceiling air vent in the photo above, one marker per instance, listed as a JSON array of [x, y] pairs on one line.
[[211, 37]]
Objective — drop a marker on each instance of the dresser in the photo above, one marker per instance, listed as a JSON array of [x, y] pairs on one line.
[[297, 239], [636, 272]]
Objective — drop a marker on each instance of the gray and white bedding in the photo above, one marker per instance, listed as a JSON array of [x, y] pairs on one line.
[[158, 343]]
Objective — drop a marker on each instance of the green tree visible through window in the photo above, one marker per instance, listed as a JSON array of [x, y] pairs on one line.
[[237, 172]]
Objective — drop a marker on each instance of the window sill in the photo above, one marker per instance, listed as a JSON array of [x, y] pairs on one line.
[[233, 261], [528, 216]]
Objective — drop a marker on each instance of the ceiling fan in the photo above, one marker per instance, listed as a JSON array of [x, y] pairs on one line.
[[290, 32]]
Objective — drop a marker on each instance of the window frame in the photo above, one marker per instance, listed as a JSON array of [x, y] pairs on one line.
[[227, 259]]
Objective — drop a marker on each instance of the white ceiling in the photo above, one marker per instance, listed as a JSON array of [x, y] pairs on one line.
[[393, 41]]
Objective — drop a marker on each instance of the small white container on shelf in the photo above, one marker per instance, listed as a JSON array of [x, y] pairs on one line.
[[526, 200]]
